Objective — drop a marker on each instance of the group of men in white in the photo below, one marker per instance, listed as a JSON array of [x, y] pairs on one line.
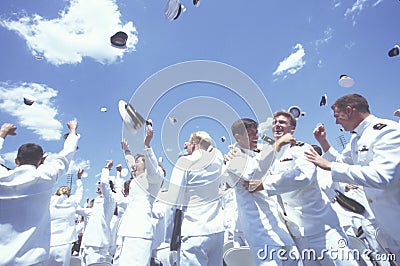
[[277, 198]]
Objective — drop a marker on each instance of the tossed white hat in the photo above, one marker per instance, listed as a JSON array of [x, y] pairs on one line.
[[132, 119], [346, 81]]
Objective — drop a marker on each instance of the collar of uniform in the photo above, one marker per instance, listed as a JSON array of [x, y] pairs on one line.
[[245, 151], [363, 125]]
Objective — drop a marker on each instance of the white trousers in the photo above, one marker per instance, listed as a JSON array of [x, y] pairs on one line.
[[201, 250], [330, 248], [134, 252], [60, 255]]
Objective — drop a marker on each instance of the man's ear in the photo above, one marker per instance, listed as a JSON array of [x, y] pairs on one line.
[[16, 161], [237, 136]]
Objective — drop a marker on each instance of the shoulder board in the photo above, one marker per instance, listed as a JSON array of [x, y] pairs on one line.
[[299, 143], [379, 126]]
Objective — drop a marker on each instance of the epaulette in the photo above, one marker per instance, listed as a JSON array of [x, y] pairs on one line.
[[299, 143], [379, 126]]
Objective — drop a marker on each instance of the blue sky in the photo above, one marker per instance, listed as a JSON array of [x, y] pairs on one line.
[[295, 51]]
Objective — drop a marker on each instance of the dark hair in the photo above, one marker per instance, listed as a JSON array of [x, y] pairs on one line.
[[317, 149], [29, 153], [356, 101], [240, 126], [112, 187], [127, 184], [288, 115]]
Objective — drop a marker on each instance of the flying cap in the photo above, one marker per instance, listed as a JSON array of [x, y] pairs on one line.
[[172, 120], [395, 51], [129, 115], [295, 111], [103, 109], [119, 39], [29, 99], [173, 9], [346, 81], [324, 100]]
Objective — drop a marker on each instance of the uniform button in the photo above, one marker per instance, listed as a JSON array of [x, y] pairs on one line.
[[285, 203], [369, 200]]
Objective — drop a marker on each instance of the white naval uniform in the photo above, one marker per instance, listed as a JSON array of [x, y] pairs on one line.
[[372, 160], [257, 212], [97, 234], [309, 216], [63, 229], [25, 194], [195, 182], [136, 227]]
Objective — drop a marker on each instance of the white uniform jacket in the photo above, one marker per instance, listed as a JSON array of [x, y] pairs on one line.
[[195, 181], [137, 219], [372, 160], [257, 212], [25, 194], [98, 232], [62, 214], [292, 176]]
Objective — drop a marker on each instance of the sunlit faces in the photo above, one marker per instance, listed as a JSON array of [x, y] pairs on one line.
[[249, 140], [343, 117], [189, 146], [281, 126]]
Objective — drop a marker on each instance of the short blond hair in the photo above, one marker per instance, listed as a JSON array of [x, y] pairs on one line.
[[202, 138]]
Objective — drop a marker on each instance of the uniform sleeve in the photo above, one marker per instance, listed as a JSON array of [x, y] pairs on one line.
[[105, 186], [1, 144], [57, 165], [77, 197], [300, 176], [382, 172], [333, 155], [154, 173]]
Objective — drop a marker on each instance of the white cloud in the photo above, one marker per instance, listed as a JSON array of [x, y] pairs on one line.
[[327, 35], [293, 63], [83, 29], [78, 164], [355, 10], [40, 116]]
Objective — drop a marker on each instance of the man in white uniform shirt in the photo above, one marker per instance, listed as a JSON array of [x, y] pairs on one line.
[[136, 228], [195, 182], [257, 212], [25, 194], [309, 216], [63, 229], [97, 235], [371, 160]]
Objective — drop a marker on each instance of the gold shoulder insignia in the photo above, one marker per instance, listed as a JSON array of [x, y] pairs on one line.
[[379, 126], [299, 143]]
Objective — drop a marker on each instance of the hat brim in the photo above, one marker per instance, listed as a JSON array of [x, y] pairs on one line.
[[128, 120], [346, 82]]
